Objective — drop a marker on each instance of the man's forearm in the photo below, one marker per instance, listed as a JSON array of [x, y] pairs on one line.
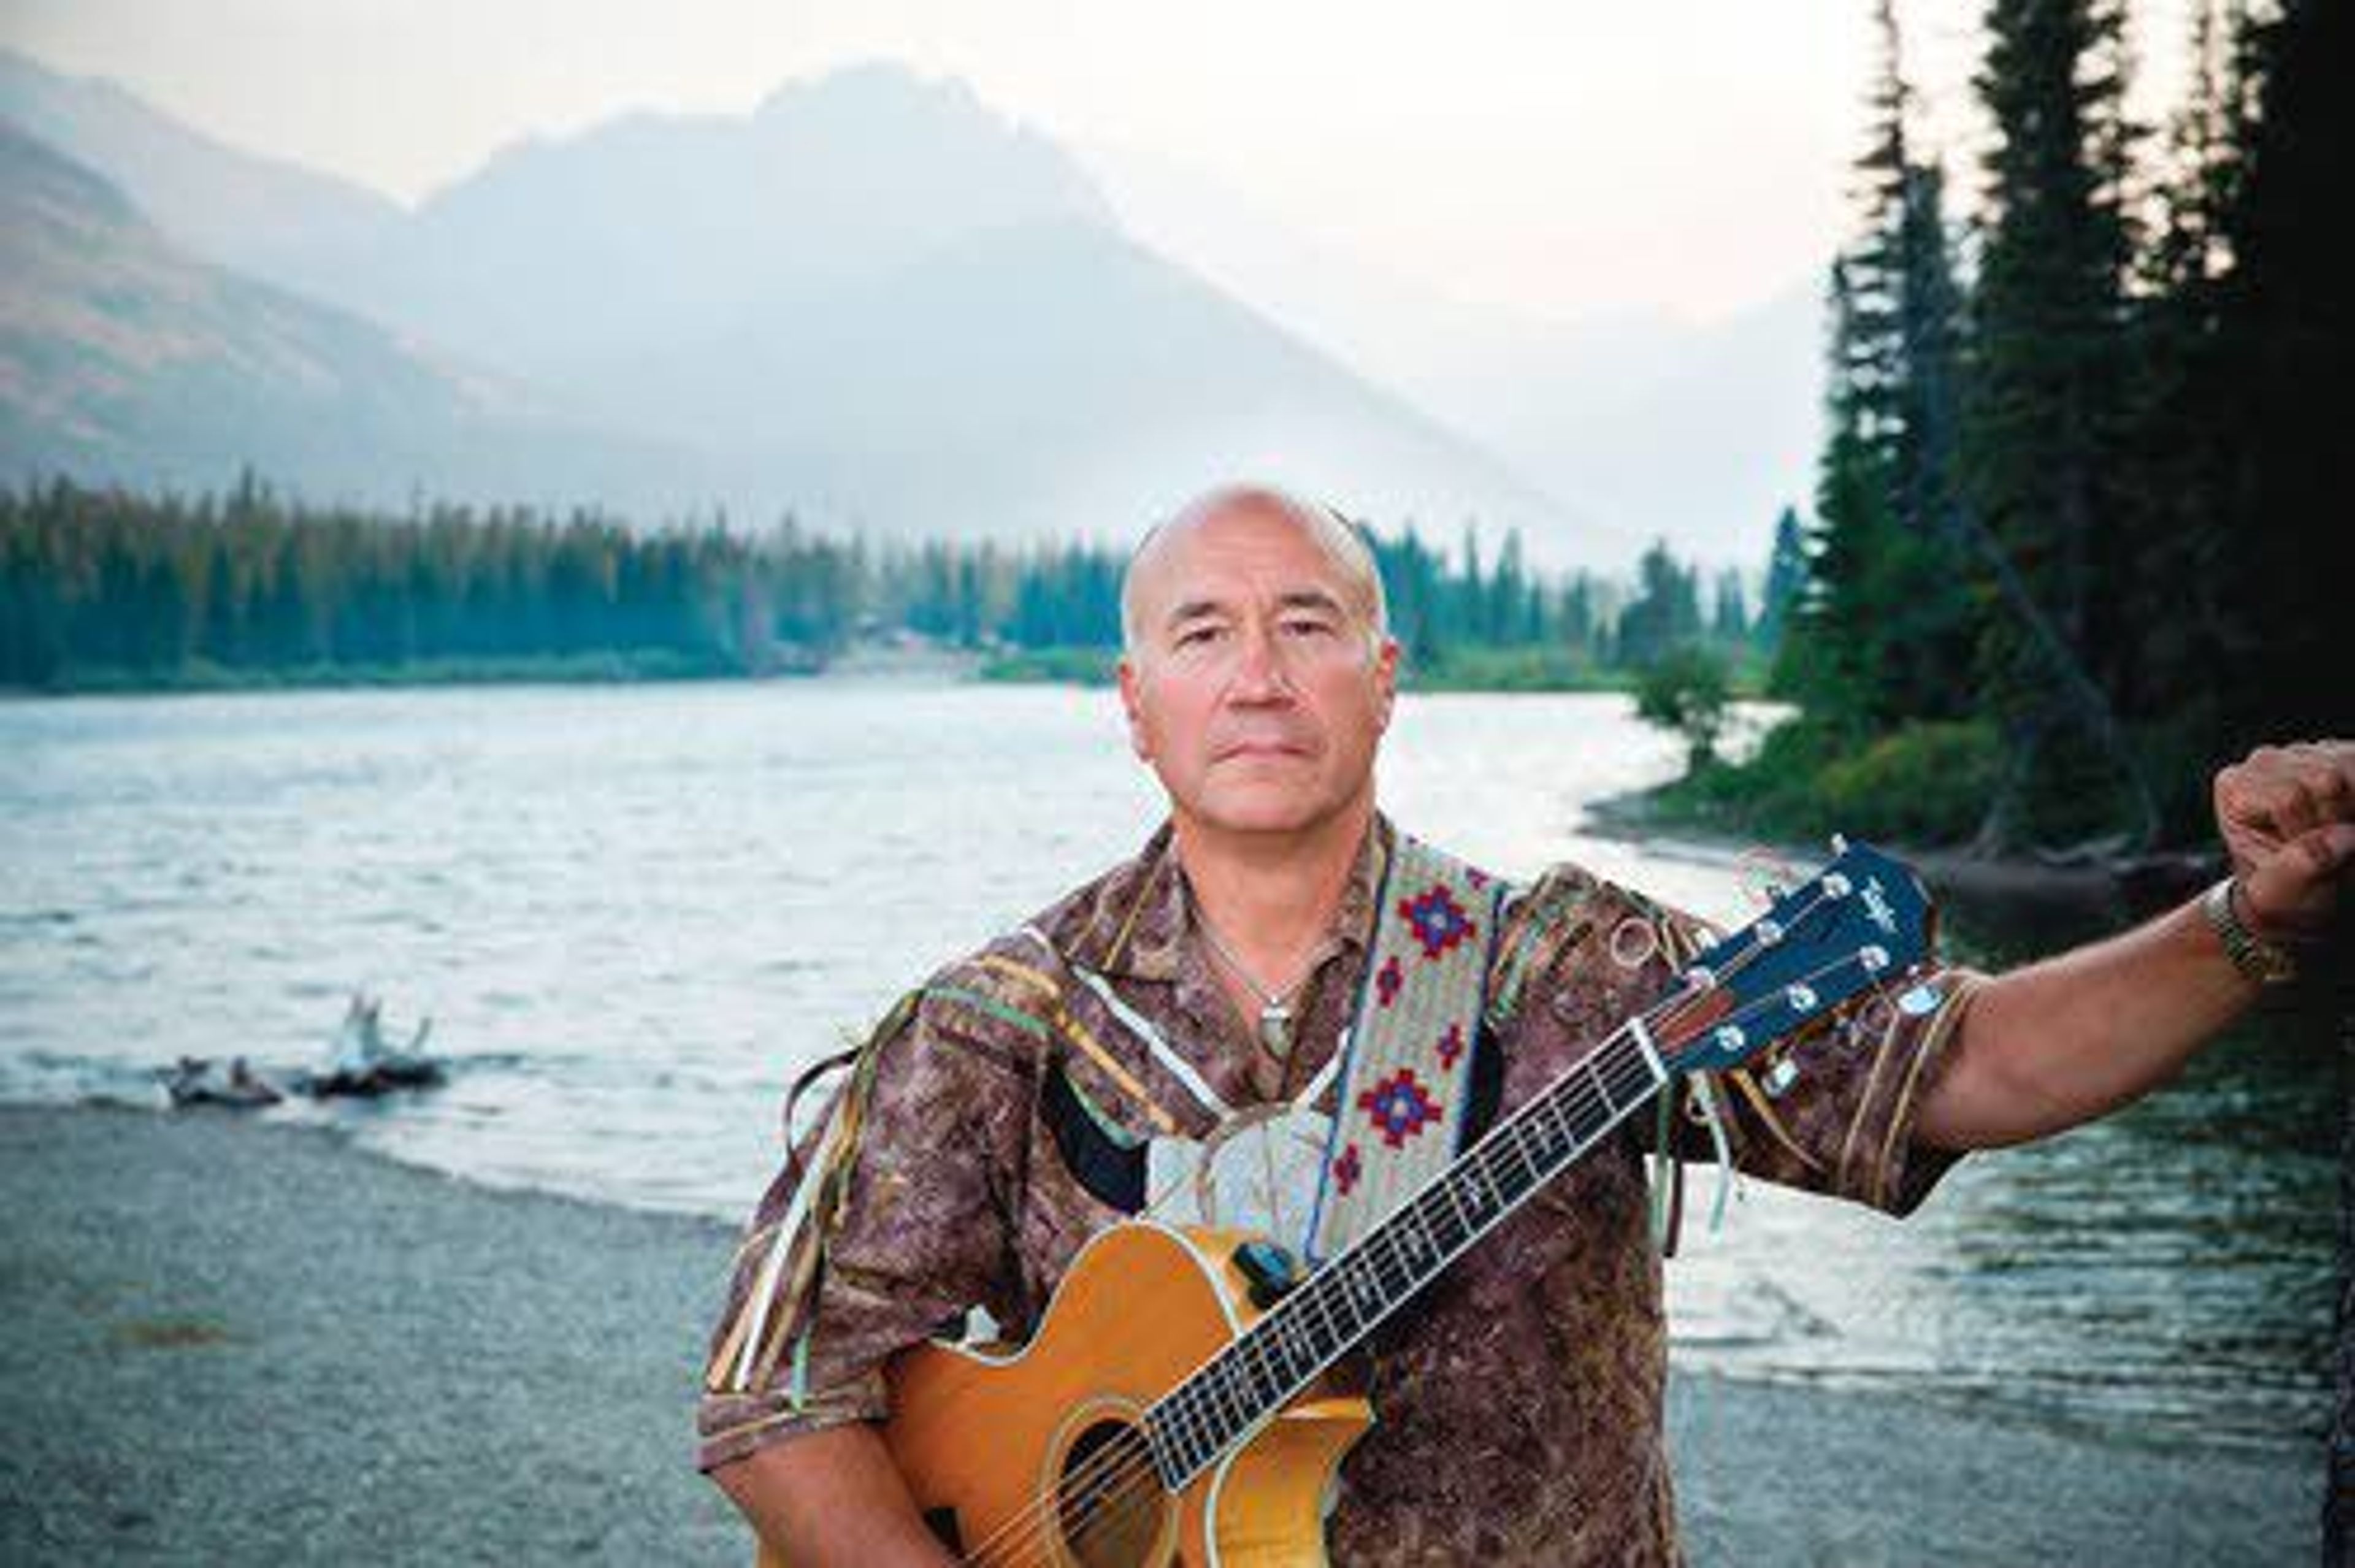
[[2064, 1041], [831, 1497]]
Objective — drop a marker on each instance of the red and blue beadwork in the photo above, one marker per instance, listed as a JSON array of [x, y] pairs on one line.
[[1439, 921], [1398, 1107]]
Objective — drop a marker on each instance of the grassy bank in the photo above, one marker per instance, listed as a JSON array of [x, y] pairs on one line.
[[1924, 784]]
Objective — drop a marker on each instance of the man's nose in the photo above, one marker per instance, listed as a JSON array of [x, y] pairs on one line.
[[1260, 673]]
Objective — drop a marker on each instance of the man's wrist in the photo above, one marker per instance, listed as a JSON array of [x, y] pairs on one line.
[[2259, 960]]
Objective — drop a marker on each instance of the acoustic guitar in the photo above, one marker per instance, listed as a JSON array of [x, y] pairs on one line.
[[1176, 1403]]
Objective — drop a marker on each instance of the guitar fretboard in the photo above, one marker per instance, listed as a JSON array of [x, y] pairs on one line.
[[1334, 1308]]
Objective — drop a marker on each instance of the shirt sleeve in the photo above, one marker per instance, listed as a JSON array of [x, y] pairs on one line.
[[923, 1233], [1835, 1111], [1832, 1110]]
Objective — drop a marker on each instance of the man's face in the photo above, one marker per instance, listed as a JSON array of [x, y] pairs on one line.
[[1256, 690]]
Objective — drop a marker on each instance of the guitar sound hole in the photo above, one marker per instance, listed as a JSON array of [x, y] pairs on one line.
[[1108, 1497]]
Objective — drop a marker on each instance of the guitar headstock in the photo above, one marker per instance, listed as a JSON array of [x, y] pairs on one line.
[[1861, 920]]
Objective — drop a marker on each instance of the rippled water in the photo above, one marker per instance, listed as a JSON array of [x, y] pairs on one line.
[[632, 912]]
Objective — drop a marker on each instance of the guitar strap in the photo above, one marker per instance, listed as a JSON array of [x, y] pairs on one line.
[[1407, 1082]]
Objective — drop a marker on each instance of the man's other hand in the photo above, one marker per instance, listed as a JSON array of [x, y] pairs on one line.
[[2287, 818]]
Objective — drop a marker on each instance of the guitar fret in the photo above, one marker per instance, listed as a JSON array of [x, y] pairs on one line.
[[1331, 1302], [1601, 1087], [1447, 1190], [1419, 1237], [1223, 1413], [1532, 1168]]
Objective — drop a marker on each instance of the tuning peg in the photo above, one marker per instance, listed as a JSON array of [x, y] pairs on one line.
[[1780, 1075], [1839, 843]]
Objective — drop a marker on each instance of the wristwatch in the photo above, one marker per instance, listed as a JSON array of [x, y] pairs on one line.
[[2266, 962]]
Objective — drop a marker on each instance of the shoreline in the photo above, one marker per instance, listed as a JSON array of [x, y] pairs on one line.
[[1060, 665], [231, 1342], [2089, 887]]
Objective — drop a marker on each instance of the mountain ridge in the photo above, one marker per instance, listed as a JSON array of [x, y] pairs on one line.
[[635, 274]]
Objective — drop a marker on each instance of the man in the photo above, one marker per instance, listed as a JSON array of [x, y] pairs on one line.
[[993, 1124]]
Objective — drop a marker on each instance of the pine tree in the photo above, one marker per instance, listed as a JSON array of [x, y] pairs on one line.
[[1787, 577], [2047, 411]]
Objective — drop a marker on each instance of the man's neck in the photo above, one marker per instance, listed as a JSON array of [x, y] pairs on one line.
[[1272, 897]]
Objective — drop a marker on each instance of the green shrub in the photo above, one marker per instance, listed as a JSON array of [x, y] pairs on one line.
[[1925, 783], [1686, 690]]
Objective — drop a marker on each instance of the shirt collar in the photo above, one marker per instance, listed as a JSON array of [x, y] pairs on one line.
[[1150, 915]]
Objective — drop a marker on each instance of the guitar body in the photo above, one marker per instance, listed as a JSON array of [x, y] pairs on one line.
[[1000, 1446]]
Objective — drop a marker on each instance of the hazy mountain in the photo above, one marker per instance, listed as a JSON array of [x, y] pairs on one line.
[[276, 221], [1108, 383], [1700, 432], [651, 230], [123, 359], [876, 299]]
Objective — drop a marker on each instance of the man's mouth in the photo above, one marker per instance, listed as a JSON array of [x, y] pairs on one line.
[[1257, 747]]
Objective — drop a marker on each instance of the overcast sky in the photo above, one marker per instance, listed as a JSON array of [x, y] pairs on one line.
[[1561, 157]]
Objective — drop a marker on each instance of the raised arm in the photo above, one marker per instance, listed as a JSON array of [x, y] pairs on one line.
[[2061, 1042]]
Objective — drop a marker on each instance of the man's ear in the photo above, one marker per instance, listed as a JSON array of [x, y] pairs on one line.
[[1138, 741], [1386, 662]]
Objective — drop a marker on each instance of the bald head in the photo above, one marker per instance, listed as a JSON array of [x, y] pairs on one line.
[[1361, 577]]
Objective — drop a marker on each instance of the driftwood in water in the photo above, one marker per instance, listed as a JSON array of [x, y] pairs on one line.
[[192, 1081], [398, 1071], [362, 1067]]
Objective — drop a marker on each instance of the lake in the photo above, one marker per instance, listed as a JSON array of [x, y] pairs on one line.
[[633, 913]]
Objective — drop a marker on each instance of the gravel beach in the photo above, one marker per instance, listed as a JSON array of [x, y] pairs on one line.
[[234, 1343]]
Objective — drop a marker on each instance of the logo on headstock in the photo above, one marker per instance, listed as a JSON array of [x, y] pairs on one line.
[[1876, 906]]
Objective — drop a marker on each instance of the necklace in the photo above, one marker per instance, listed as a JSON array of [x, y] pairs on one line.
[[1274, 1002]]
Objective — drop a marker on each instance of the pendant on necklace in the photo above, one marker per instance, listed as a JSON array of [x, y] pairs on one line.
[[1275, 1028]]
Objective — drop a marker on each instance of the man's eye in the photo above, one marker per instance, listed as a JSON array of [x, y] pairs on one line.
[[1307, 627], [1195, 636]]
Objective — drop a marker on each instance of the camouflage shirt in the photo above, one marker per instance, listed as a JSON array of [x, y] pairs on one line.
[[1518, 1401]]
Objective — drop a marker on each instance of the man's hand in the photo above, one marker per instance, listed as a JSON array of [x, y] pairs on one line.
[[2287, 818]]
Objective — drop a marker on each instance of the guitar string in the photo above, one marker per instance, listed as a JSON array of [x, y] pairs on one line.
[[1111, 1477], [1116, 1478]]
